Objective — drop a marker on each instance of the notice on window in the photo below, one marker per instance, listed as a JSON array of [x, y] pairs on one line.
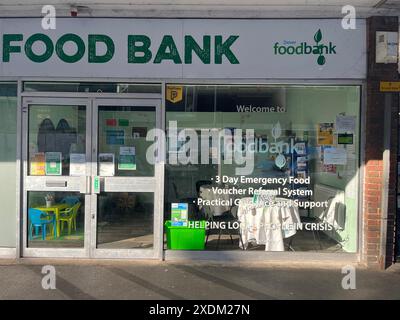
[[77, 164], [179, 214], [37, 165], [115, 137], [139, 132], [127, 158], [345, 124], [336, 156], [106, 164], [345, 138], [300, 148], [301, 162], [329, 168], [325, 134], [53, 163]]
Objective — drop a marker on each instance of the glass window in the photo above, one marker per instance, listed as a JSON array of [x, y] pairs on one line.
[[8, 143], [98, 87], [125, 220], [122, 140], [56, 219], [57, 138], [267, 167]]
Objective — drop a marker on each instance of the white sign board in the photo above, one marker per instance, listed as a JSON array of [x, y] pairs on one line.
[[337, 156], [106, 164], [345, 124], [77, 164], [183, 48]]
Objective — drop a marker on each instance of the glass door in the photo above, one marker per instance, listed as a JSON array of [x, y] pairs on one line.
[[89, 188], [127, 200], [56, 166]]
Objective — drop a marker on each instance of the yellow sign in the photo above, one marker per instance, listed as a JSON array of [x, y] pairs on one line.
[[387, 86], [38, 163], [174, 93], [325, 134]]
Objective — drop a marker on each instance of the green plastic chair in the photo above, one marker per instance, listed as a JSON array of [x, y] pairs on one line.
[[69, 216]]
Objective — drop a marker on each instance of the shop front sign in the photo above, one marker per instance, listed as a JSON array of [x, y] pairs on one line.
[[179, 49]]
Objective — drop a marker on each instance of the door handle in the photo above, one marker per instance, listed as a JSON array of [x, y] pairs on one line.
[[56, 184], [96, 184]]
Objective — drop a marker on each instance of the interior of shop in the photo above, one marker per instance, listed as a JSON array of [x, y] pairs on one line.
[[56, 220], [306, 115]]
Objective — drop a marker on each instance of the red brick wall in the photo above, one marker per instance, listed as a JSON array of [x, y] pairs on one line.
[[374, 148]]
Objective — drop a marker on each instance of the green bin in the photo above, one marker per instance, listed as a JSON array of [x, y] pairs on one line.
[[191, 237]]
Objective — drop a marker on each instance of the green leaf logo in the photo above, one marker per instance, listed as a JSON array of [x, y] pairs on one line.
[[321, 60], [320, 49], [318, 36]]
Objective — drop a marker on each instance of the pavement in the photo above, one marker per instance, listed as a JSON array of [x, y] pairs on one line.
[[76, 279]]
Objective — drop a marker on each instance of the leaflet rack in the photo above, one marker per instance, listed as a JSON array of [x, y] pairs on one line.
[[299, 168]]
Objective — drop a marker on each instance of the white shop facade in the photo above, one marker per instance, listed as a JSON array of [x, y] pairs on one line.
[[80, 104]]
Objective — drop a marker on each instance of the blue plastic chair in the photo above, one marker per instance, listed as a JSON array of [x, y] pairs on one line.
[[40, 219], [70, 200]]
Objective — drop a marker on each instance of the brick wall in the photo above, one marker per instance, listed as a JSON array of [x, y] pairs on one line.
[[374, 148]]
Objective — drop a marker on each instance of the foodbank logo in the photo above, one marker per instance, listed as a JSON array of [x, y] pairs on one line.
[[318, 48]]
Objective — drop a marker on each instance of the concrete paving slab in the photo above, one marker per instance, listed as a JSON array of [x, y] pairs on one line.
[[90, 280]]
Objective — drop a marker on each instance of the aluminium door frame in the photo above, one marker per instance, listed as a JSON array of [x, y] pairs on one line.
[[153, 184], [89, 251], [29, 182]]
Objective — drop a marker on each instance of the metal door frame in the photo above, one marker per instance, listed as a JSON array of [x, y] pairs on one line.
[[146, 184], [154, 184], [35, 183]]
